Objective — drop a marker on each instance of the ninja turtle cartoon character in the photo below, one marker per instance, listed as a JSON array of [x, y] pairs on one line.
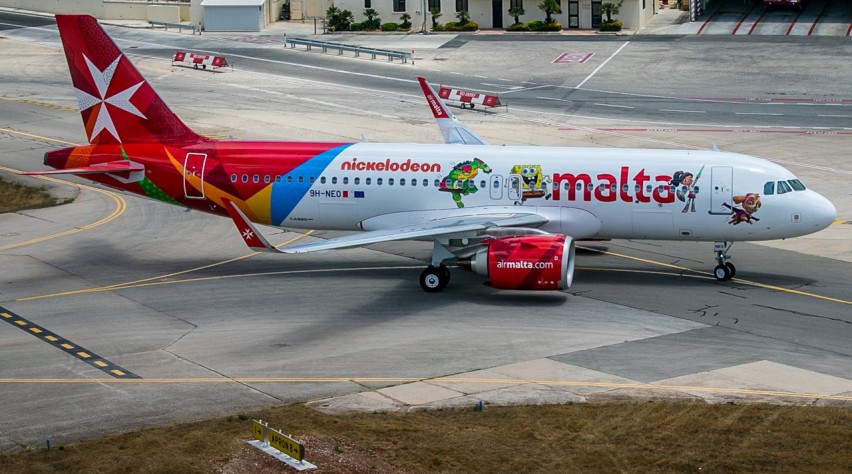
[[687, 190], [749, 204], [534, 184], [460, 180]]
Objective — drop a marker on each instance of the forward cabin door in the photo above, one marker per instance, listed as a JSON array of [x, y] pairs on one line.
[[495, 189], [721, 189], [193, 175]]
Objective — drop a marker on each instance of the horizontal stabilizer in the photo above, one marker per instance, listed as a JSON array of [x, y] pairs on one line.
[[112, 167]]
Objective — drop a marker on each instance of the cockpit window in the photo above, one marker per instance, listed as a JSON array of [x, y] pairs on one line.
[[769, 188], [797, 185], [783, 187]]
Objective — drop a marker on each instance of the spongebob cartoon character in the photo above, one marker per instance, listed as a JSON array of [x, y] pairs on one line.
[[534, 184], [460, 180]]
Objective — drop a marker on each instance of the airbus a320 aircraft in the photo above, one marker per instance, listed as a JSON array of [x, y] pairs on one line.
[[510, 213]]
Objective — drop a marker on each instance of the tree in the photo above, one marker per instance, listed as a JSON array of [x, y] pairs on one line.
[[549, 7], [406, 21], [464, 17], [609, 9], [338, 20], [373, 21], [516, 12], [436, 13]]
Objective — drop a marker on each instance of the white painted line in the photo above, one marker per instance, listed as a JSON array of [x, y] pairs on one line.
[[615, 106], [684, 111], [519, 89], [601, 66], [755, 113], [551, 98], [480, 77], [836, 116]]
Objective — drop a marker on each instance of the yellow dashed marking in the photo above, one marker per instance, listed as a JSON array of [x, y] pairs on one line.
[[36, 330], [117, 372], [100, 363], [83, 355], [67, 346], [6, 315], [51, 338], [21, 323]]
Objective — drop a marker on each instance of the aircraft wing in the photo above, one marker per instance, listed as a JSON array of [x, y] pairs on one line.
[[452, 129], [462, 225]]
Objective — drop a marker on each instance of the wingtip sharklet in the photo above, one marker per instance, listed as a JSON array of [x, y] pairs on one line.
[[252, 237]]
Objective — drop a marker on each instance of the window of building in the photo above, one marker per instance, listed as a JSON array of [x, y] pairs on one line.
[[398, 5], [434, 4], [462, 5], [368, 4], [516, 4]]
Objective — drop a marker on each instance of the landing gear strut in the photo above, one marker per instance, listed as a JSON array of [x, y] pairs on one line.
[[725, 270], [434, 279]]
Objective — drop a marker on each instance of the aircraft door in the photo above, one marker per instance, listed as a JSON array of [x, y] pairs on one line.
[[515, 187], [193, 175], [495, 188], [721, 189]]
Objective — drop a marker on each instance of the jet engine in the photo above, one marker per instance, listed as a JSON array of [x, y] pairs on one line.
[[530, 262]]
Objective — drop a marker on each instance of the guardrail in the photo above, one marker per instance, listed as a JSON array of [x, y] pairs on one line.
[[325, 46], [167, 25]]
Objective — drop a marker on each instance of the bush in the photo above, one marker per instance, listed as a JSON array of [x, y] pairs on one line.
[[518, 27], [538, 25], [454, 26], [390, 26], [614, 25], [356, 27]]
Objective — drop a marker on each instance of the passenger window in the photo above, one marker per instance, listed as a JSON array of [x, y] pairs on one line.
[[267, 179], [402, 181], [334, 180], [289, 179], [390, 181], [437, 182], [379, 181], [579, 186], [301, 180], [495, 184], [590, 186], [797, 185], [233, 178], [783, 187], [346, 180], [425, 182], [322, 179], [648, 188], [625, 187], [368, 181], [482, 184], [278, 178], [414, 182], [255, 179], [312, 180], [357, 180]]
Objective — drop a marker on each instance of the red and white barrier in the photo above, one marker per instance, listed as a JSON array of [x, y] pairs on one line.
[[202, 60], [472, 98]]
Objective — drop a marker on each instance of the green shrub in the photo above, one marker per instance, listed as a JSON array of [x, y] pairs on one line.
[[614, 25], [390, 26], [356, 27], [538, 25], [518, 27]]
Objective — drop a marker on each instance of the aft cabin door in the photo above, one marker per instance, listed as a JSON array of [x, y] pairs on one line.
[[193, 175], [721, 190]]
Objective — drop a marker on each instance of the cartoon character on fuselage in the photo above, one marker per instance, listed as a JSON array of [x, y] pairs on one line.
[[534, 184], [460, 180]]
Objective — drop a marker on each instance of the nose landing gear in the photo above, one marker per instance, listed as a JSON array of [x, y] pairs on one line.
[[725, 270]]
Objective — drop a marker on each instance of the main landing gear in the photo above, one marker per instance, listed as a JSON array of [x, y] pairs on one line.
[[725, 270], [435, 278]]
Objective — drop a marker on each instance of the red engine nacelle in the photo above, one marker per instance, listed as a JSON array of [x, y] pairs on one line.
[[532, 262]]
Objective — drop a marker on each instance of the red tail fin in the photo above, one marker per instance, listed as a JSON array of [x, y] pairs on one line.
[[116, 102]]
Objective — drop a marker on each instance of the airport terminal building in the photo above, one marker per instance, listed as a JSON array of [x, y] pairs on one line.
[[576, 14]]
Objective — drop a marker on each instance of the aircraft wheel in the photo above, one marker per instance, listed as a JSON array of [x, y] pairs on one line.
[[434, 279], [722, 273], [732, 270]]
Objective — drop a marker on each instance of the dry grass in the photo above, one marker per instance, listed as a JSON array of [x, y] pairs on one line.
[[17, 197], [646, 437]]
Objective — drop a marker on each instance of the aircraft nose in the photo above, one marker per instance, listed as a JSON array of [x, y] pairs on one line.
[[822, 212]]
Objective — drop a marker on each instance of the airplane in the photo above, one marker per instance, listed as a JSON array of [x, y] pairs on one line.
[[509, 213]]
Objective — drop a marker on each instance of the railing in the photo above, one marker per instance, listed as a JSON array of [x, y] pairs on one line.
[[325, 46], [167, 25]]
